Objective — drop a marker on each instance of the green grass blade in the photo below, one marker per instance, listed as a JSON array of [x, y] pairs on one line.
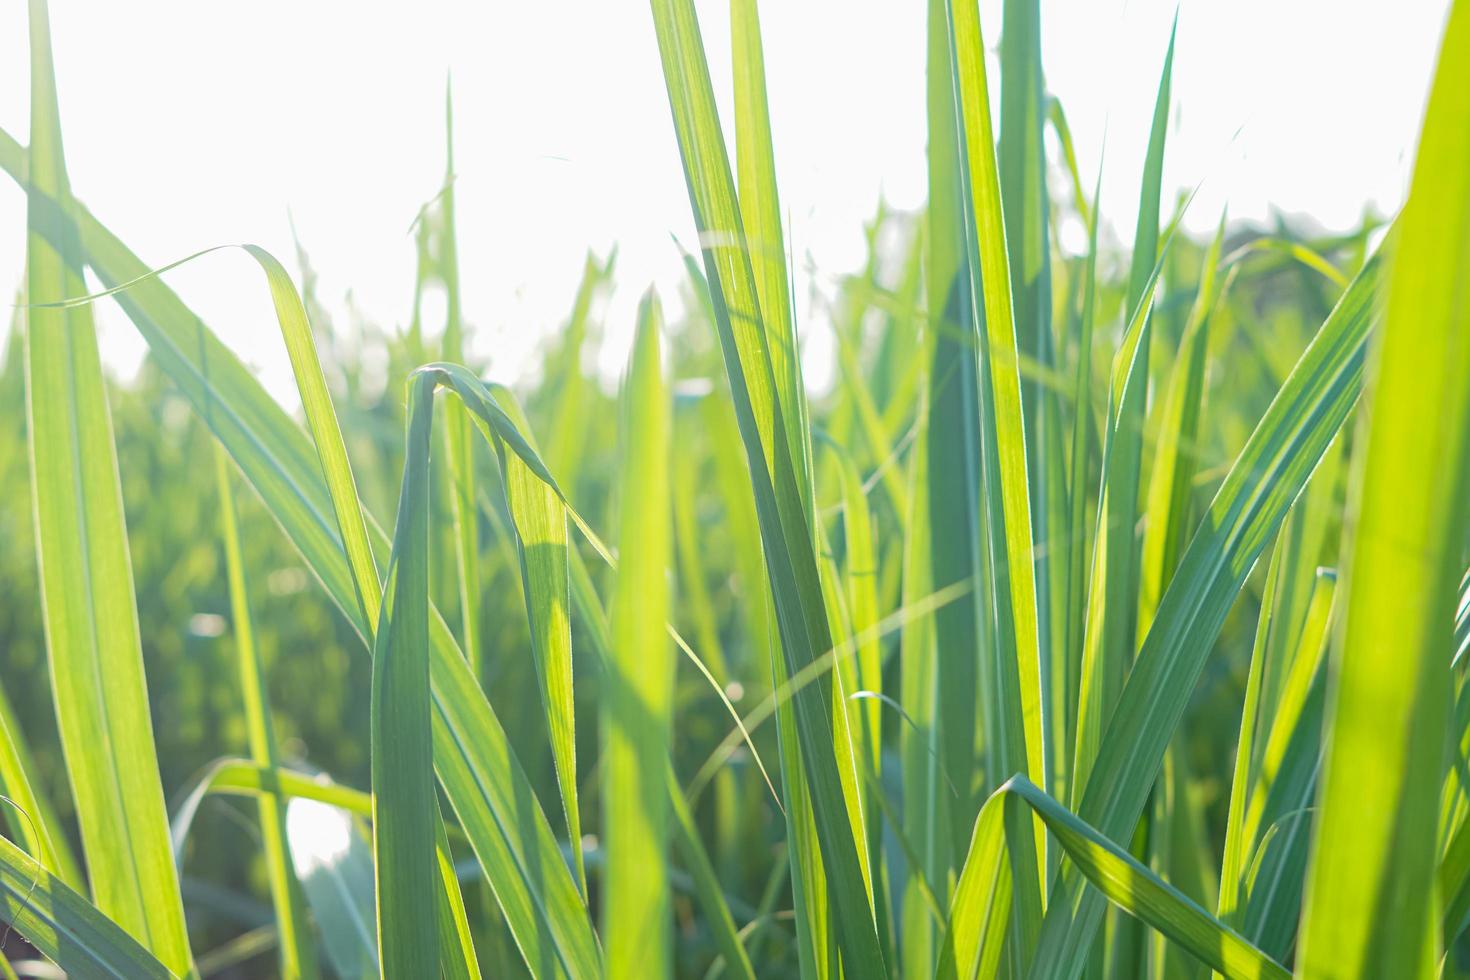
[[1077, 489], [297, 952], [1370, 899], [685, 834], [405, 812], [1265, 479], [90, 614], [952, 454], [540, 520], [860, 581], [1057, 117], [1002, 417], [573, 391], [1243, 774], [459, 437], [30, 817], [321, 419], [1011, 685], [924, 801], [456, 942], [1146, 233], [1021, 163], [760, 215], [636, 722], [786, 535], [1108, 639], [1289, 769], [1176, 453], [65, 927], [981, 901]]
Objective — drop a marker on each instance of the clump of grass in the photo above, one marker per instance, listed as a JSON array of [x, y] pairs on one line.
[[1033, 708]]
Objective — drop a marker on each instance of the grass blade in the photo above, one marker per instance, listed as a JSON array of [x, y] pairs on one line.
[[1021, 163], [952, 456], [640, 678], [540, 520], [786, 533], [1167, 512], [88, 604], [1370, 905], [405, 810], [297, 952], [760, 216], [1108, 639], [65, 927], [30, 817], [993, 315], [459, 437]]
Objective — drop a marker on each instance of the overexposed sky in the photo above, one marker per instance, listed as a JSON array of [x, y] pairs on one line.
[[193, 124]]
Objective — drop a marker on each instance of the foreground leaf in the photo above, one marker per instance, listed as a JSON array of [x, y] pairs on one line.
[[405, 809], [1370, 908], [65, 927], [90, 614]]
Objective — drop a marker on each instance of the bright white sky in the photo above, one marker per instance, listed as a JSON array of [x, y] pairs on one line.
[[193, 124]]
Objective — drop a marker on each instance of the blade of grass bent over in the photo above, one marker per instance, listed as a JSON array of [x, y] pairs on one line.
[[981, 903]]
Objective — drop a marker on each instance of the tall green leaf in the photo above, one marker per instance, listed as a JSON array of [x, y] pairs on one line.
[[405, 809], [1370, 908], [90, 616], [761, 399], [640, 679], [1021, 161], [952, 454], [1003, 422], [1176, 453], [459, 437], [539, 517]]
